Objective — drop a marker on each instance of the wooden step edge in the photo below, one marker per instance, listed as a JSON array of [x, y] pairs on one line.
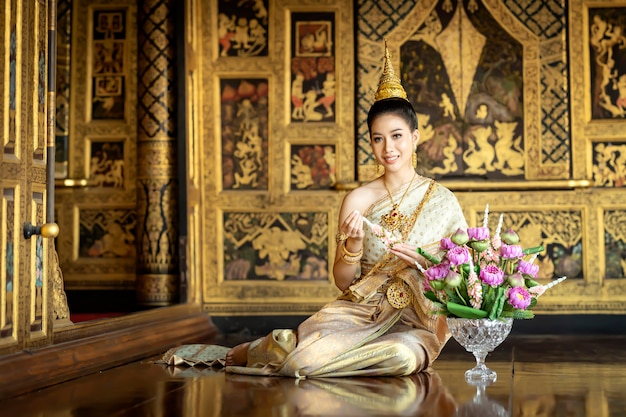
[[28, 371]]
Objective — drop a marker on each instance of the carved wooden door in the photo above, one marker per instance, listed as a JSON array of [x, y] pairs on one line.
[[24, 264]]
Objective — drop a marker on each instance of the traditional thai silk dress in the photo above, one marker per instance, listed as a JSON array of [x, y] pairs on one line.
[[361, 333]]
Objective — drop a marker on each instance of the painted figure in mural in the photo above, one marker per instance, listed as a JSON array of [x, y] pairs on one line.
[[381, 324], [297, 97], [607, 57]]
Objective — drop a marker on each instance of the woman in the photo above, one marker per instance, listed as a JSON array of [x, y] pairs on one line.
[[381, 324]]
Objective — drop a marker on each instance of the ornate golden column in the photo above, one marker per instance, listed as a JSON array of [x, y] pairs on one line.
[[157, 183]]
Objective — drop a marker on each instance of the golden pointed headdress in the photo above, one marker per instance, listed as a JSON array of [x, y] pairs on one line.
[[389, 85]]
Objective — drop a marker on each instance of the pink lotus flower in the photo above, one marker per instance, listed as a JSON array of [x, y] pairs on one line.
[[528, 268], [458, 255], [491, 275], [511, 251], [478, 233], [446, 243], [437, 272], [519, 297]]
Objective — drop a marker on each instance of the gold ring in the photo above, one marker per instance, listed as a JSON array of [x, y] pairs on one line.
[[341, 236]]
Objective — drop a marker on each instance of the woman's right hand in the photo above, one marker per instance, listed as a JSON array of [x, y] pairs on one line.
[[352, 227]]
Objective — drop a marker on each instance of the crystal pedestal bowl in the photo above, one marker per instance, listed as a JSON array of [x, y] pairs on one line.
[[480, 336]]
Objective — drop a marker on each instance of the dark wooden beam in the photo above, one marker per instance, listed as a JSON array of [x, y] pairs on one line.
[[27, 371]]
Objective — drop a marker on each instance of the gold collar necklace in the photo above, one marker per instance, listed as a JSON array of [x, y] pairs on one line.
[[394, 219]]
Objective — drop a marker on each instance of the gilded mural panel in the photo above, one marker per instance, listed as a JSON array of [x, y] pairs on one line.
[[244, 129], [108, 88], [107, 233], [242, 27], [99, 124], [480, 75], [14, 90], [596, 85], [40, 27], [312, 67], [607, 62], [280, 246], [608, 163], [106, 162], [283, 124], [101, 251], [313, 167]]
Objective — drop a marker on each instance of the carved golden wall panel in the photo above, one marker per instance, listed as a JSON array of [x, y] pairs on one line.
[[574, 224], [515, 131], [595, 119], [263, 156], [537, 189], [102, 145]]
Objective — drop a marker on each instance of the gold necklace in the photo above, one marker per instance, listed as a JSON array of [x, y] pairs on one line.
[[394, 219]]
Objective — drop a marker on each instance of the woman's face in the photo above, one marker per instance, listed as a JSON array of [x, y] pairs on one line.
[[393, 142]]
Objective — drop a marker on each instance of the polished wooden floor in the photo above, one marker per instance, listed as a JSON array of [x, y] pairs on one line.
[[545, 376]]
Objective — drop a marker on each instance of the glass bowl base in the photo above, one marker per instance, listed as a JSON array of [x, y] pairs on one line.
[[481, 375]]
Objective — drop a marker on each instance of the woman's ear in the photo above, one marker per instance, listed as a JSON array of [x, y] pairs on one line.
[[416, 137]]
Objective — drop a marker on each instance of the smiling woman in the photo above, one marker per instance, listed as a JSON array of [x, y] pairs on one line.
[[380, 325]]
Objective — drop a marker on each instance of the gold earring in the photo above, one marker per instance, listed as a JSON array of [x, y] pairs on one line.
[[378, 167], [414, 158]]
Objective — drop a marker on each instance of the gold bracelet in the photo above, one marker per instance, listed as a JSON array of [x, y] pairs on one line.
[[346, 252], [350, 260]]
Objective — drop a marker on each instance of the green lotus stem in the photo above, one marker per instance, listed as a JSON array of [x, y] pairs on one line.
[[460, 296], [428, 256], [530, 251]]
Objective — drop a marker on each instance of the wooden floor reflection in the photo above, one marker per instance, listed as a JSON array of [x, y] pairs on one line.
[[537, 376]]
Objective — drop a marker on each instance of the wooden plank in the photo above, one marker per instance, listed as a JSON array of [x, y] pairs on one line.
[[27, 371]]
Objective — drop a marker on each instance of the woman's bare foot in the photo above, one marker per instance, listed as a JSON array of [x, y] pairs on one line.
[[238, 356]]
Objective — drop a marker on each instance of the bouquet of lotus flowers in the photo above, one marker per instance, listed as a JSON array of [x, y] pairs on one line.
[[479, 275]]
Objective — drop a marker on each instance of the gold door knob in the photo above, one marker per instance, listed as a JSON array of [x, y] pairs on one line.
[[45, 230]]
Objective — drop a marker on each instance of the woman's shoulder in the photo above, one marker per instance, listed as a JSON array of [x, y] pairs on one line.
[[367, 193], [440, 188]]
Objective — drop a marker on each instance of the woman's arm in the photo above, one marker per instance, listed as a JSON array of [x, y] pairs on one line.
[[350, 246]]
